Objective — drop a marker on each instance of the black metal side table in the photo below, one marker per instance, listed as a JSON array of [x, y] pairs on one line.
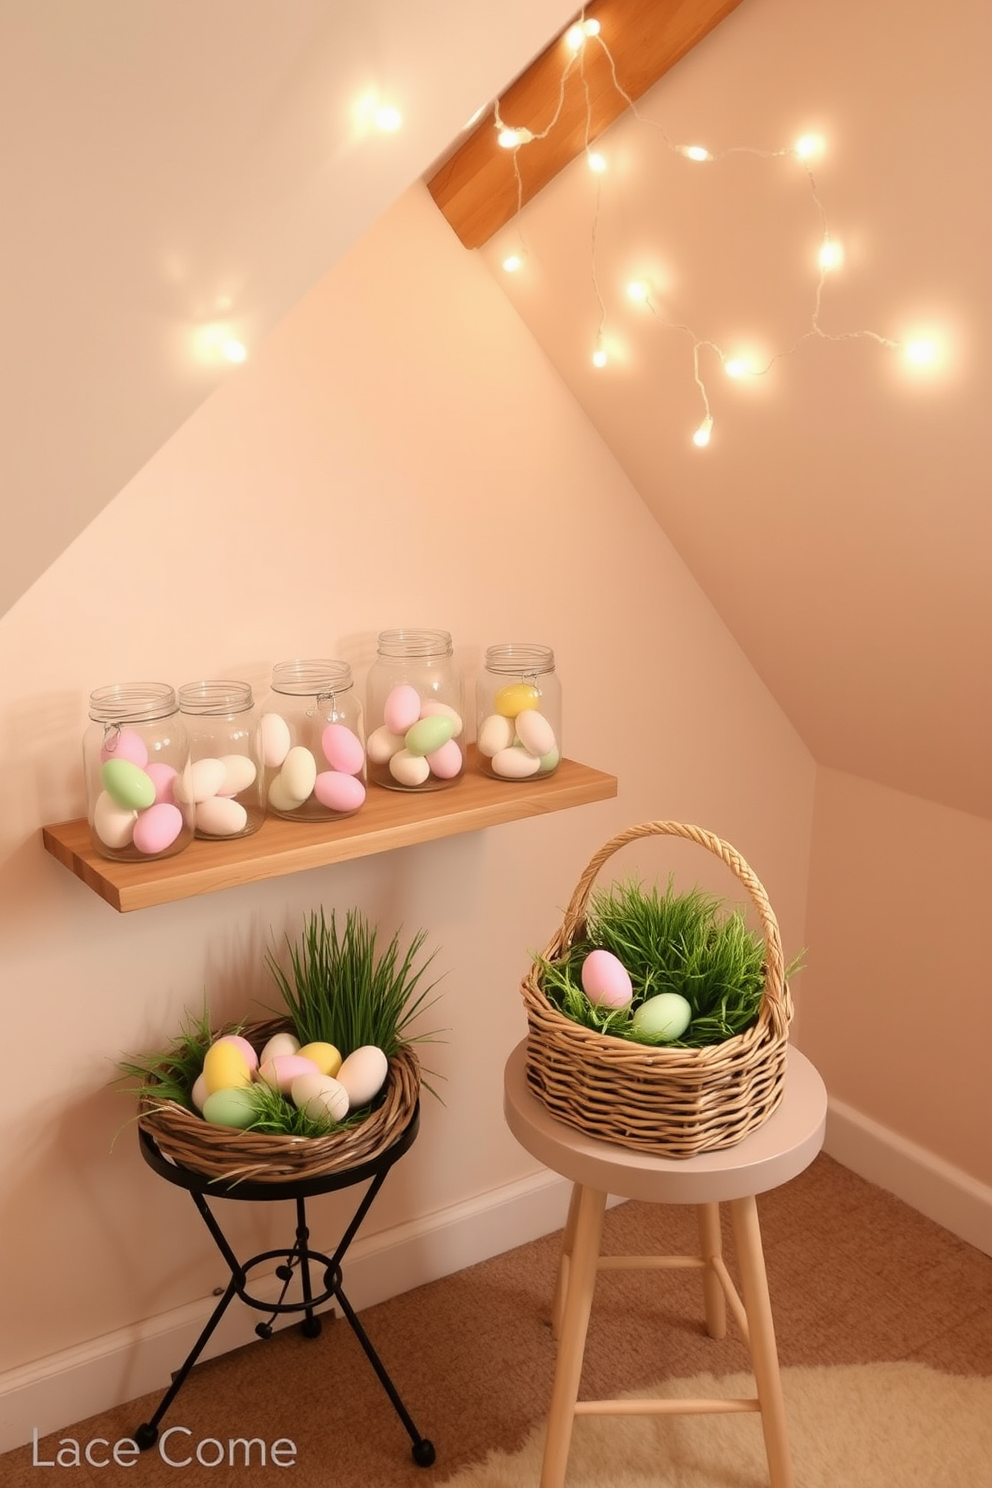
[[295, 1261]]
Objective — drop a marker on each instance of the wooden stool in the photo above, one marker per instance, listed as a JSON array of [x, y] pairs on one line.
[[777, 1151]]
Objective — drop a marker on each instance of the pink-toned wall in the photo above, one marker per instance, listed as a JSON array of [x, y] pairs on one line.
[[397, 452], [896, 1006]]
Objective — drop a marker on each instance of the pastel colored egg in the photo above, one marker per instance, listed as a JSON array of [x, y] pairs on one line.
[[664, 1017], [534, 731], [342, 749], [125, 744], [224, 1065], [495, 733], [605, 980], [428, 734], [401, 708], [279, 1043], [409, 769], [206, 776], [279, 798], [239, 774], [241, 1043], [199, 1092], [512, 699], [163, 777], [550, 761], [282, 1070], [325, 1057], [157, 828], [298, 773], [382, 744], [113, 824], [274, 738], [233, 1106], [128, 784], [221, 816], [321, 1096], [339, 792], [446, 762], [515, 764], [434, 709], [363, 1074]]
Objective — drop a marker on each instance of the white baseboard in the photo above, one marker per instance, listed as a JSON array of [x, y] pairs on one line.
[[57, 1391], [920, 1178]]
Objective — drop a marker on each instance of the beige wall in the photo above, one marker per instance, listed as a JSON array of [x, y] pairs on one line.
[[398, 452], [896, 1007]]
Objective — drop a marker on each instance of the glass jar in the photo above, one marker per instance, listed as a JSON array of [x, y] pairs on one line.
[[312, 742], [136, 762], [518, 708], [415, 712], [225, 763]]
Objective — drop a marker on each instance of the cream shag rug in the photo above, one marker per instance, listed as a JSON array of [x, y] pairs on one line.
[[850, 1426]]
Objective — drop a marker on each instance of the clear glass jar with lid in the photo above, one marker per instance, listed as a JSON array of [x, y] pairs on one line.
[[518, 712], [415, 712], [225, 761], [136, 762], [312, 742]]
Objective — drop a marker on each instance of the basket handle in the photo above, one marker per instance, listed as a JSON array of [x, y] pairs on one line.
[[576, 910]]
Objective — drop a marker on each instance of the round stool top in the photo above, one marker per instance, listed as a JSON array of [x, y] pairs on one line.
[[776, 1151]]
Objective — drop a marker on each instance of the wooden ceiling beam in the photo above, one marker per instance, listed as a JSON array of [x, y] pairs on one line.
[[477, 188]]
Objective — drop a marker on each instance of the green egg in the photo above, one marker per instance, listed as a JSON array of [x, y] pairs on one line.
[[665, 1017], [234, 1106], [428, 734], [127, 784]]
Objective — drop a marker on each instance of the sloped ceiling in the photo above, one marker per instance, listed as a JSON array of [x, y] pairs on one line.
[[840, 518], [178, 172]]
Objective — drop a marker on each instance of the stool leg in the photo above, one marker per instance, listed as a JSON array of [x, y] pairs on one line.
[[764, 1355], [710, 1246], [564, 1260], [590, 1208]]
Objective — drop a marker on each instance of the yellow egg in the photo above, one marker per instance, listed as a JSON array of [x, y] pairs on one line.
[[224, 1067], [325, 1057], [511, 700]]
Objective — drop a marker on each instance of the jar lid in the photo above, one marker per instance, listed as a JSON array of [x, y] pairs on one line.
[[132, 702], [213, 697], [414, 642], [519, 658], [311, 677]]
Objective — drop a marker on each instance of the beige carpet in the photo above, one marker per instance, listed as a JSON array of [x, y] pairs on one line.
[[850, 1426]]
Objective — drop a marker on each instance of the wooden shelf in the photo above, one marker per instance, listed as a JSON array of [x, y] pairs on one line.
[[388, 820]]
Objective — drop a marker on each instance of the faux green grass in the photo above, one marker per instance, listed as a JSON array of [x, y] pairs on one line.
[[689, 943]]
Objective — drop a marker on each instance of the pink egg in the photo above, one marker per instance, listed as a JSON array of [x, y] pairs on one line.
[[446, 762], [128, 745], [251, 1058], [162, 777], [342, 749], [605, 980], [282, 1070], [157, 828], [339, 792], [401, 708]]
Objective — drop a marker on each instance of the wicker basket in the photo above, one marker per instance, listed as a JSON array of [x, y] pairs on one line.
[[672, 1102], [229, 1155]]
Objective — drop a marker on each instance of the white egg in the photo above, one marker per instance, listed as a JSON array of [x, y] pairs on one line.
[[113, 824], [381, 744], [534, 732], [220, 816], [515, 764], [320, 1095], [408, 769], [299, 772], [206, 776], [363, 1074], [273, 731], [199, 1092], [239, 774], [495, 733], [279, 1043]]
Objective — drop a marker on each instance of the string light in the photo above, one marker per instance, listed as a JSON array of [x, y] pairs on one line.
[[919, 351], [512, 262], [387, 118]]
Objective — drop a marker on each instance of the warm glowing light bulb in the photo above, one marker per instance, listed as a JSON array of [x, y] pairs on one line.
[[737, 366], [596, 161], [831, 255], [599, 357], [234, 351], [509, 139], [512, 262], [575, 37], [920, 352], [702, 434], [387, 118], [808, 145], [695, 152], [591, 27], [638, 290]]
